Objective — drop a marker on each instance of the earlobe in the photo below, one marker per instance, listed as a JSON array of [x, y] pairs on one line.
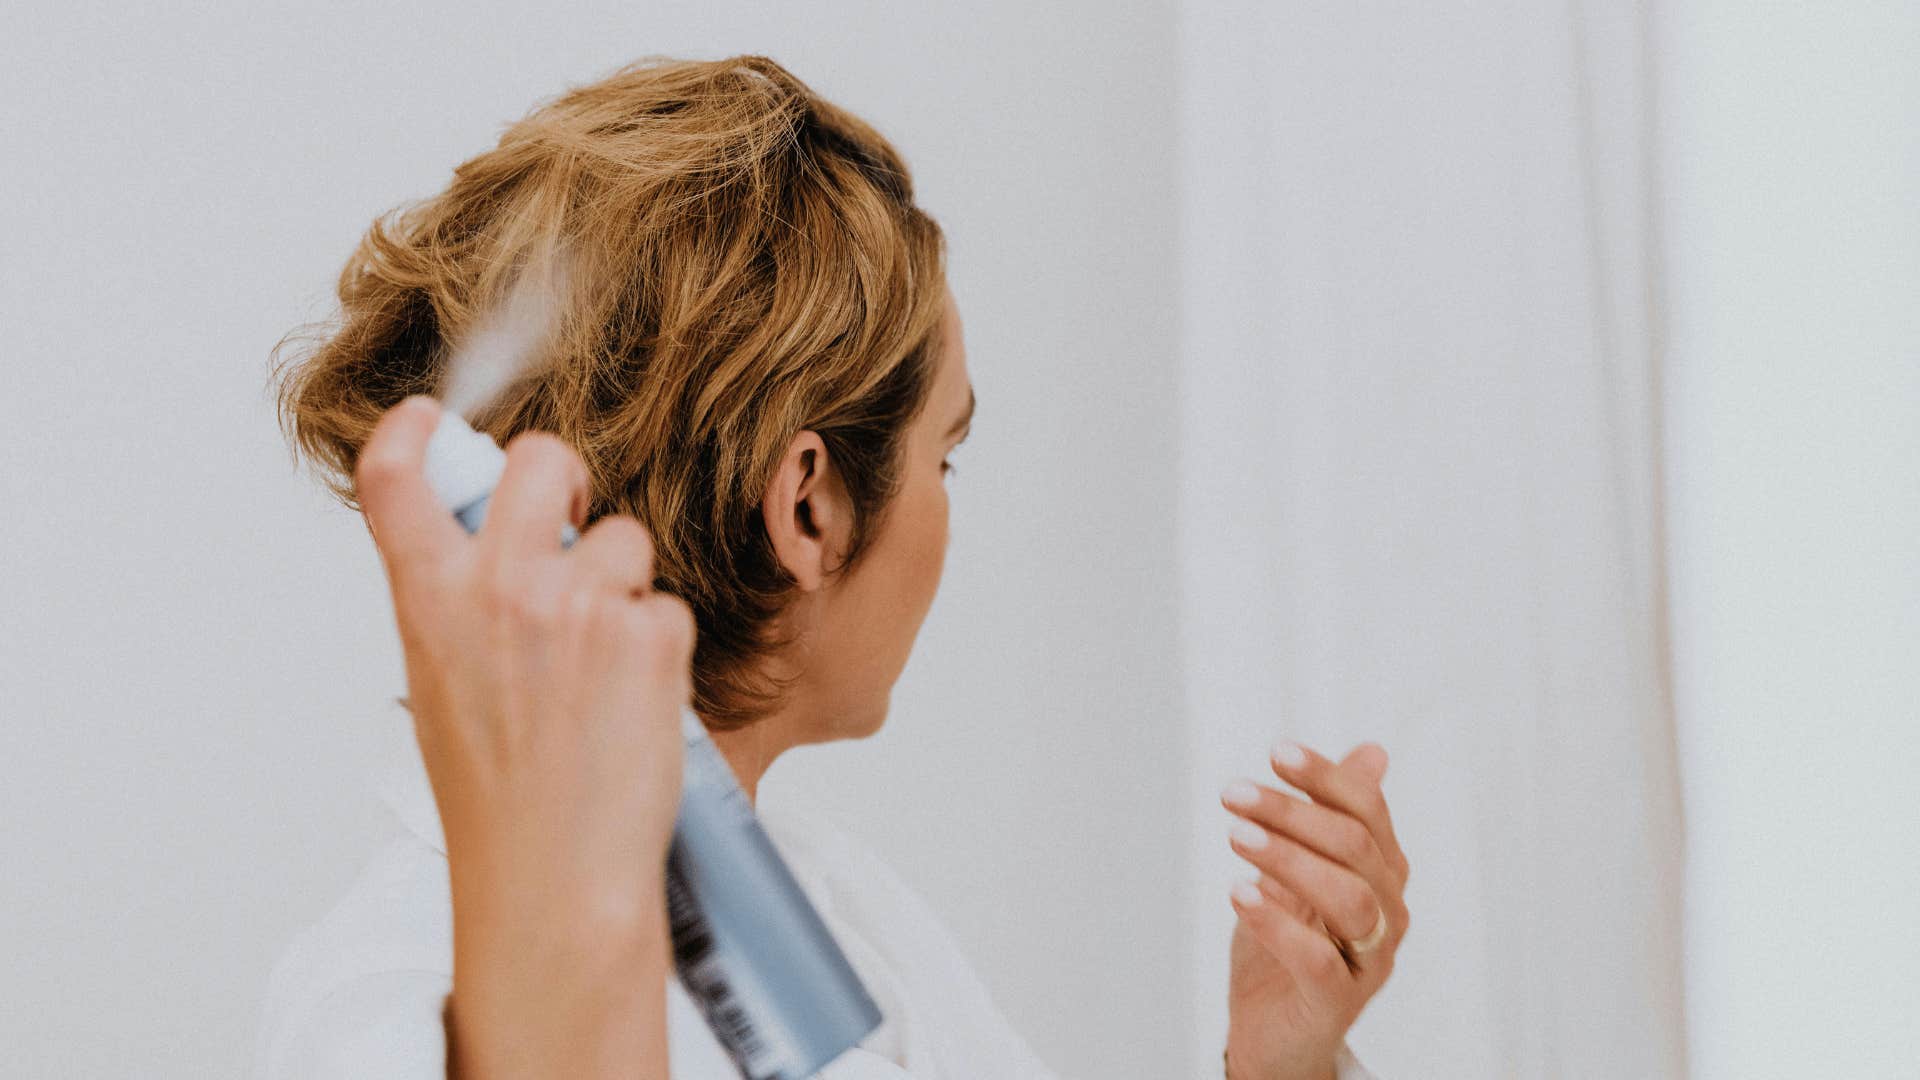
[[804, 511]]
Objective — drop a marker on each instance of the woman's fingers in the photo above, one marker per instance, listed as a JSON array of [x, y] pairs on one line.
[[1336, 835], [1343, 899], [617, 551], [542, 490], [1303, 948], [410, 527], [1351, 788]]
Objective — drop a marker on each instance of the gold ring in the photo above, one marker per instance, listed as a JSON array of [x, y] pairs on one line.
[[1371, 941]]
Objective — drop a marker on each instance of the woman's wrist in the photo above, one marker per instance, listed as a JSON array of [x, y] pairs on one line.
[[511, 900], [1302, 1071], [562, 997]]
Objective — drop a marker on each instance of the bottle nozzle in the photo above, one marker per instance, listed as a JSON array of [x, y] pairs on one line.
[[463, 466]]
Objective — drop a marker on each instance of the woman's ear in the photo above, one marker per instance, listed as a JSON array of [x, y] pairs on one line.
[[808, 515]]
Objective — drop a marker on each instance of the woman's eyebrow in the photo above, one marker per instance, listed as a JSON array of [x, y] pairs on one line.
[[966, 417]]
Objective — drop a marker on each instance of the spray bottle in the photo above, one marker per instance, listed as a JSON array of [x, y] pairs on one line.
[[750, 949]]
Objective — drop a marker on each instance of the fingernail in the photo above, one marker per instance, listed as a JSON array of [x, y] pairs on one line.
[[1247, 893], [1240, 794], [1248, 835], [1289, 755]]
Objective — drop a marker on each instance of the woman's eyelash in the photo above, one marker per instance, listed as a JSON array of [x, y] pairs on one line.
[[947, 467]]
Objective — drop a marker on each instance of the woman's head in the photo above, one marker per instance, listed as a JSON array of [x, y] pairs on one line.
[[755, 326]]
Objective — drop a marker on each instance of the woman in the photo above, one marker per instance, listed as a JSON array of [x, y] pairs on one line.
[[758, 358]]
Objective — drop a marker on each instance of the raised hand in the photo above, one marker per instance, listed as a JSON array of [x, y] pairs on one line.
[[546, 686], [1329, 867]]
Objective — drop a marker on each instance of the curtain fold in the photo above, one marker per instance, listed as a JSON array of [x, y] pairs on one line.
[[1420, 502]]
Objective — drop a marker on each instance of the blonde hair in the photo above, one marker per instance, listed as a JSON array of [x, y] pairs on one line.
[[745, 262]]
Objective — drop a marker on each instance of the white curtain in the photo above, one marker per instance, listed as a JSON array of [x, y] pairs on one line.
[[1420, 501]]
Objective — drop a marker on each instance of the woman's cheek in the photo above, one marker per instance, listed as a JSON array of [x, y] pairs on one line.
[[942, 535]]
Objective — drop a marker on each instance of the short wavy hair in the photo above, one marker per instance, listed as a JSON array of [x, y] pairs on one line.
[[746, 262]]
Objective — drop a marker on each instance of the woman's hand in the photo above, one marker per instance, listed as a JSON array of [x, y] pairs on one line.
[[1329, 866], [546, 686]]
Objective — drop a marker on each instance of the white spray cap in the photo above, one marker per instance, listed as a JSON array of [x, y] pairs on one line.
[[463, 466]]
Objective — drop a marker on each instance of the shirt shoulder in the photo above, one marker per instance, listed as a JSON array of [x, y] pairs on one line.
[[360, 992]]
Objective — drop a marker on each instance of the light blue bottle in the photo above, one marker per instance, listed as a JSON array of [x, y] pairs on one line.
[[750, 949]]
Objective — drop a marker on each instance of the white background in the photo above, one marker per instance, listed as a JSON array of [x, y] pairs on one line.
[[1794, 261], [196, 644]]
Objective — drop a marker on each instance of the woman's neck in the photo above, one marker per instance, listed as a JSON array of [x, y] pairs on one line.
[[751, 749]]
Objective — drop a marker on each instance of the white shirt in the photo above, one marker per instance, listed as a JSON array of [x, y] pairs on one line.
[[359, 995]]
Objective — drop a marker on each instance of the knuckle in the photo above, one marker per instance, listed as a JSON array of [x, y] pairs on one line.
[[509, 596], [544, 450], [629, 538], [535, 443], [538, 607], [628, 530]]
